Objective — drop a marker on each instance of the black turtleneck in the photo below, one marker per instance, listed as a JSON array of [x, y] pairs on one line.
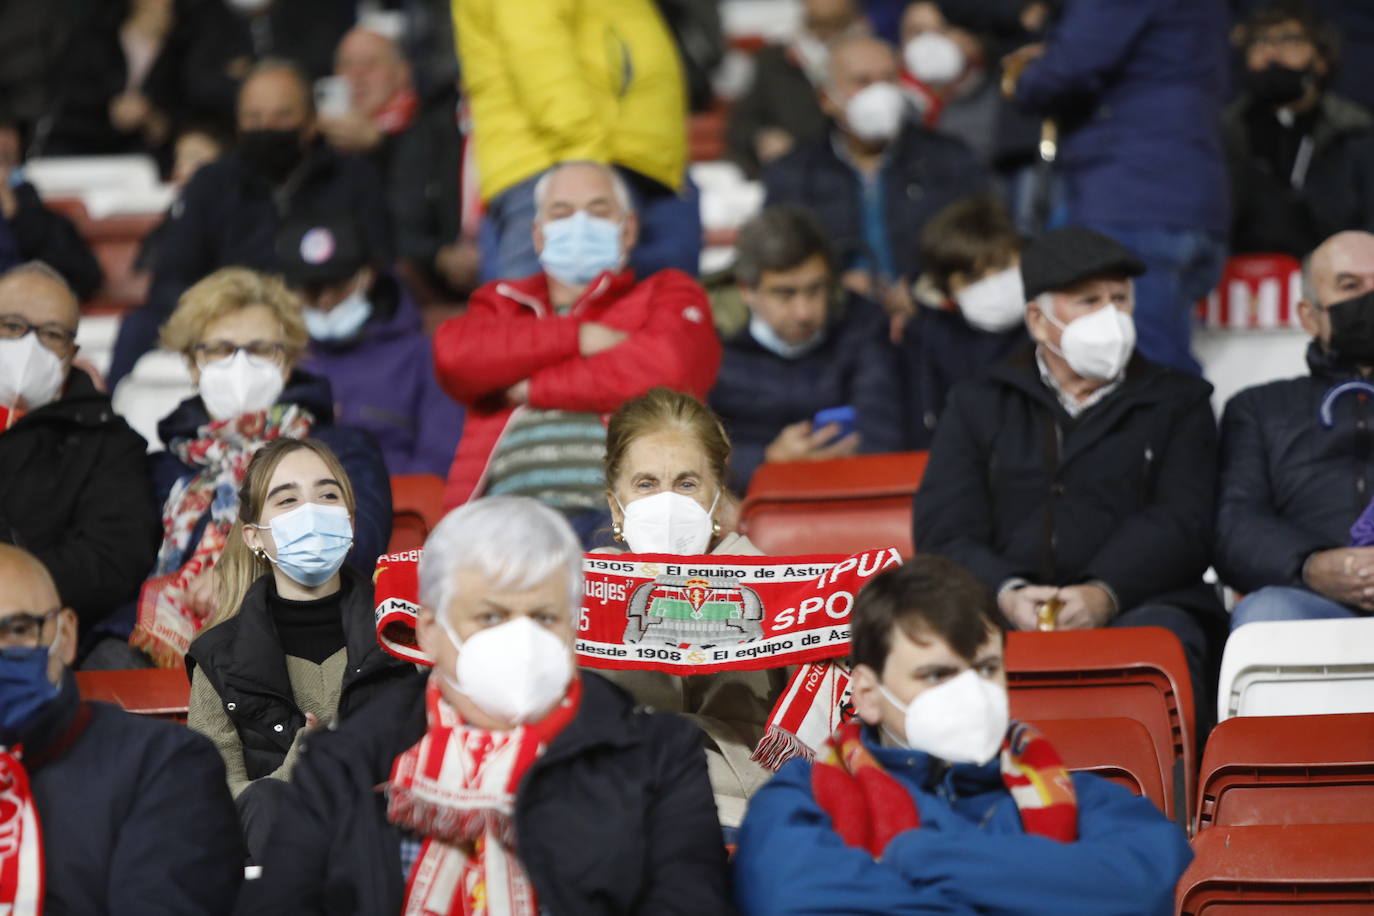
[[312, 630]]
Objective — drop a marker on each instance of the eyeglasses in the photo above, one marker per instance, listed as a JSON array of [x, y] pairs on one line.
[[54, 336], [212, 351], [22, 631]]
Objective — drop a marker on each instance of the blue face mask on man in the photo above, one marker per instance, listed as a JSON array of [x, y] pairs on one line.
[[578, 248], [24, 689], [342, 322], [312, 541]]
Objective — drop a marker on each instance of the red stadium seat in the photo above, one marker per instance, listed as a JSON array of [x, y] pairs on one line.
[[1322, 869], [1137, 673], [706, 134], [1120, 750], [115, 242], [1256, 291], [161, 692], [1288, 770], [845, 505], [417, 505]]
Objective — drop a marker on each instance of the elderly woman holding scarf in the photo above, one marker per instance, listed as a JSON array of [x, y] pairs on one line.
[[511, 784], [241, 333], [292, 647]]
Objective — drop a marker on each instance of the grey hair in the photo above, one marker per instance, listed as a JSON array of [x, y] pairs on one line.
[[1046, 299], [515, 542], [618, 186], [1309, 285]]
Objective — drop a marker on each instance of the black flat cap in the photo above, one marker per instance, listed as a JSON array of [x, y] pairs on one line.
[[320, 251], [1071, 255]]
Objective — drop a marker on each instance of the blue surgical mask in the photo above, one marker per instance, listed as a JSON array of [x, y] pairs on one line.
[[312, 541], [24, 689], [342, 322], [579, 247], [768, 338]]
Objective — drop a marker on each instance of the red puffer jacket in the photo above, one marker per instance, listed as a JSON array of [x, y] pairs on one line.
[[510, 333]]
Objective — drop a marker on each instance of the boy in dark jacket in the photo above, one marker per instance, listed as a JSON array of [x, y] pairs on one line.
[[934, 801]]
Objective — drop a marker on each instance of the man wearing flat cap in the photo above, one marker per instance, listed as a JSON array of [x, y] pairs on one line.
[[1076, 478]]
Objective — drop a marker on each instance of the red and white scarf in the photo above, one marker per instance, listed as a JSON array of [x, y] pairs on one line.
[[21, 840], [221, 452], [10, 416], [456, 788], [398, 113], [814, 705]]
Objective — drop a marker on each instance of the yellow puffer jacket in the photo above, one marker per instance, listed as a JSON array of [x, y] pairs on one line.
[[550, 80]]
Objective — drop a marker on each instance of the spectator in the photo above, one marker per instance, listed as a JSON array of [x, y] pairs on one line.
[[293, 646], [241, 334], [975, 308], [781, 105], [537, 361], [1136, 90], [549, 83], [29, 231], [877, 179], [415, 145], [1076, 472], [1354, 23], [934, 800], [366, 340], [1291, 490], [599, 807], [231, 212], [808, 347], [193, 149], [105, 812], [1300, 156], [73, 476]]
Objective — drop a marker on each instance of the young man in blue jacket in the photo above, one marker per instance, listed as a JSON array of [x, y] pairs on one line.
[[932, 800]]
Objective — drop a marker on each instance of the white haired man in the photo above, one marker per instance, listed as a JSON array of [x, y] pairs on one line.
[[512, 782], [539, 361]]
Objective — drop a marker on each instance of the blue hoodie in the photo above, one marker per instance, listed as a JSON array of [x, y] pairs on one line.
[[970, 854]]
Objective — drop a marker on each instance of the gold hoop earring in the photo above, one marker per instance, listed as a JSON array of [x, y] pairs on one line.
[[715, 528], [260, 555], [617, 533]]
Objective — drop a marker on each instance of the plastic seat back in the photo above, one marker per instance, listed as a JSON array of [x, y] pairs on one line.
[[845, 505], [1322, 869], [1256, 291], [1137, 673], [1117, 749], [1288, 770], [161, 692], [417, 505], [1306, 667]]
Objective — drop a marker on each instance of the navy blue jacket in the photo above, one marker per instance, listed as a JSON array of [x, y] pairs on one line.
[[135, 813], [925, 172], [1288, 486], [970, 854], [356, 450], [757, 392], [1137, 88]]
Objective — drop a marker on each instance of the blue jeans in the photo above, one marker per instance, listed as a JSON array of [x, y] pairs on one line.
[[1182, 267], [1279, 602], [506, 236]]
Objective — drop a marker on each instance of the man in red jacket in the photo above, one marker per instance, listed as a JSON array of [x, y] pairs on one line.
[[540, 361]]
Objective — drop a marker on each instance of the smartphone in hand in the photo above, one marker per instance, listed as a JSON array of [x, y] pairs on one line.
[[845, 417]]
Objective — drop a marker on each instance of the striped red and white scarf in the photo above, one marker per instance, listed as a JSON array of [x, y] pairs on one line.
[[456, 788], [868, 807], [21, 840]]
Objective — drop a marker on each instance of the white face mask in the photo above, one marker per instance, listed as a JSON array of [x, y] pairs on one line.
[[934, 58], [875, 112], [250, 6], [962, 720], [29, 372], [342, 322], [667, 522], [514, 672], [1096, 345], [773, 342], [995, 303], [238, 385]]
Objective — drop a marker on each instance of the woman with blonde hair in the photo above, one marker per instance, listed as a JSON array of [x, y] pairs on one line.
[[292, 646], [241, 333]]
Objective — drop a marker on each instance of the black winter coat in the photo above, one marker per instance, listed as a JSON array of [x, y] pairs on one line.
[[757, 392], [74, 490], [136, 816], [926, 172], [1288, 486], [1123, 494], [616, 817], [781, 96], [246, 665], [48, 236]]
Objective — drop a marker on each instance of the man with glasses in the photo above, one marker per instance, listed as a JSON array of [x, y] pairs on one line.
[[100, 811], [74, 484], [1299, 154]]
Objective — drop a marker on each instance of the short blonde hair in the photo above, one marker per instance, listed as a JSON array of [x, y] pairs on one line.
[[225, 292]]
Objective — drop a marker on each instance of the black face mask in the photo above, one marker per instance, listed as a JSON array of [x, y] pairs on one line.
[[1277, 85], [273, 154], [1352, 329]]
